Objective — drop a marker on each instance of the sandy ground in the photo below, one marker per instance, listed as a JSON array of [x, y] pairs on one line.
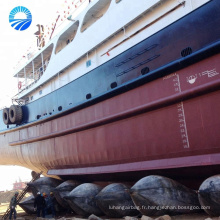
[[194, 217], [4, 207]]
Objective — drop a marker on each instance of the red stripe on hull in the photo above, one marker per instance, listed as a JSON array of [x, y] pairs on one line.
[[191, 161]]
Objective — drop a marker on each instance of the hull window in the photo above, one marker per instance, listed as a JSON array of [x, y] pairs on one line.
[[145, 70], [88, 96], [67, 37], [94, 13]]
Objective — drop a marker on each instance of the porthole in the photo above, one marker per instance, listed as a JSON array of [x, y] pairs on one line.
[[113, 85], [88, 96], [145, 70]]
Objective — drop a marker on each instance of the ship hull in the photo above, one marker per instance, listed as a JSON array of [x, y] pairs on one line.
[[153, 109], [171, 122]]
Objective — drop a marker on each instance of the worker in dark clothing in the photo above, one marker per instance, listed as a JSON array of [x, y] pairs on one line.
[[13, 204], [39, 203], [45, 207], [50, 204]]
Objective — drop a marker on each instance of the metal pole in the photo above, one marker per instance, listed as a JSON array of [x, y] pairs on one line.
[[33, 68], [42, 59], [25, 77], [18, 81]]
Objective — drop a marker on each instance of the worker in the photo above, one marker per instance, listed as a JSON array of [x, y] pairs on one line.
[[39, 205], [50, 204], [45, 196], [13, 204]]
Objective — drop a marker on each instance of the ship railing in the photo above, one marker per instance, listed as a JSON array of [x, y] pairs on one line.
[[18, 101], [33, 78], [35, 47]]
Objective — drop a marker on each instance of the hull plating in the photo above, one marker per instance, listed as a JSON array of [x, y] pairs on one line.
[[189, 34], [169, 118]]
